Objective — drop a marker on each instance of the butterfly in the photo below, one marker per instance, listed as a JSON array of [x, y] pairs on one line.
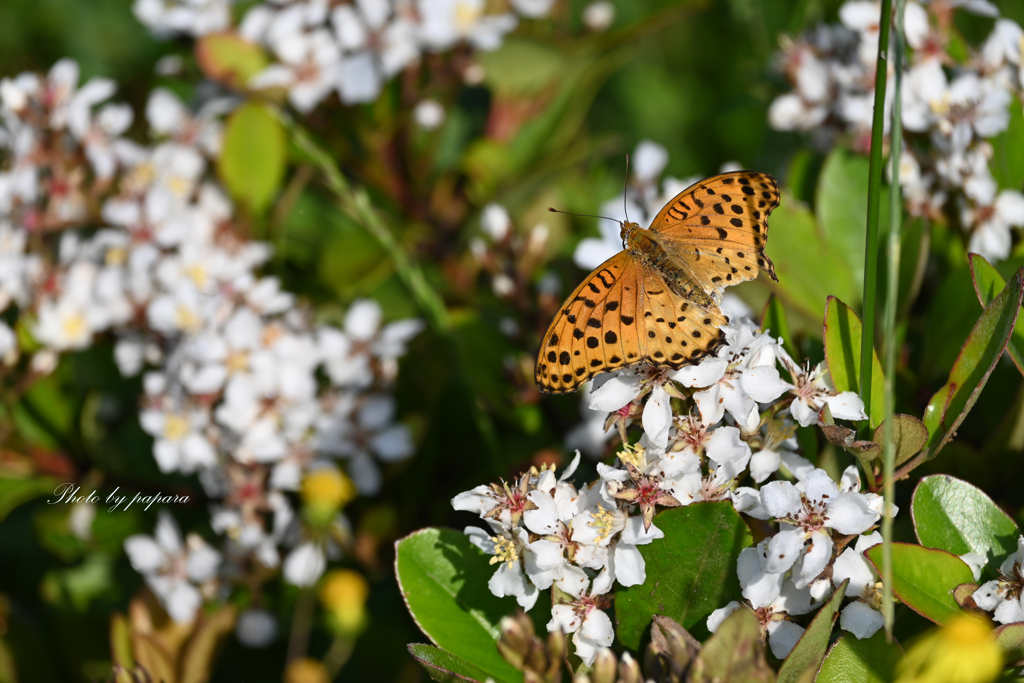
[[656, 301]]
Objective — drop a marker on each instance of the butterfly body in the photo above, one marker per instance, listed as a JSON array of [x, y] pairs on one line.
[[656, 301]]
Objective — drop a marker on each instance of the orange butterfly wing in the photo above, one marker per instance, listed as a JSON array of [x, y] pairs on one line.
[[623, 313], [718, 228]]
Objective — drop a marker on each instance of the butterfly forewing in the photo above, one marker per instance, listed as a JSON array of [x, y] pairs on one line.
[[718, 228]]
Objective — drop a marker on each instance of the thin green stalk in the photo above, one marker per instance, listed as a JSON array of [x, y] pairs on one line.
[[874, 199], [356, 203], [891, 303]]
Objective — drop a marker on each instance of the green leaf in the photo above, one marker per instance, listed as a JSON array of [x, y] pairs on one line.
[[955, 516], [809, 650], [871, 660], [987, 284], [15, 492], [924, 578], [908, 434], [774, 321], [842, 353], [735, 653], [809, 267], [522, 68], [443, 578], [1007, 163], [253, 156], [228, 58], [444, 666], [1010, 639], [842, 206], [690, 573], [978, 357]]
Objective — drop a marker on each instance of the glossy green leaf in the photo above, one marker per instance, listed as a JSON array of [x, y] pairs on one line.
[[253, 156], [924, 578], [842, 353], [735, 653], [809, 267], [810, 649], [953, 515], [909, 435], [690, 573], [978, 357], [444, 666], [443, 578], [774, 321], [871, 660], [842, 206], [987, 284], [1007, 163]]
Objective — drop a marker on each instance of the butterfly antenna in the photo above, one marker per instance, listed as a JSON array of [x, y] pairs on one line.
[[625, 188], [585, 215]]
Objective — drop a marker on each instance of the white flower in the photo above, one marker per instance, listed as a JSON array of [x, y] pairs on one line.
[[181, 444], [1003, 596], [311, 66], [172, 569], [508, 546], [583, 617], [990, 224], [443, 23], [814, 389], [807, 511]]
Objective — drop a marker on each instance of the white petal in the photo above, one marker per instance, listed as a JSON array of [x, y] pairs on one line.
[[703, 375], [716, 618], [846, 406], [144, 553], [633, 532], [564, 619], [1009, 612], [616, 393], [759, 587], [630, 568], [182, 602], [763, 384], [304, 565], [851, 565], [988, 596], [598, 627], [849, 514], [861, 620], [783, 550], [725, 445], [814, 561], [783, 636], [976, 562], [657, 417], [819, 486], [780, 499]]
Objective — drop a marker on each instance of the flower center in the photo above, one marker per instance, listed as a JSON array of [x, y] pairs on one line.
[[504, 551]]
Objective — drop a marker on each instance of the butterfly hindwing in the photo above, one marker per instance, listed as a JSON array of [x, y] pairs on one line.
[[677, 331], [594, 331], [718, 228]]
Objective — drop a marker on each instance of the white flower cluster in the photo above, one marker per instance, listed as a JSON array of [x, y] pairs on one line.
[[951, 107], [352, 48], [232, 382], [1004, 597], [741, 422]]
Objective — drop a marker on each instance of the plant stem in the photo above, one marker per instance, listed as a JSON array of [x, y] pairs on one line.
[[302, 624], [356, 203], [874, 199], [891, 303]]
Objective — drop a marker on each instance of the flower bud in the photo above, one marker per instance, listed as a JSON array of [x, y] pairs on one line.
[[344, 593], [306, 671]]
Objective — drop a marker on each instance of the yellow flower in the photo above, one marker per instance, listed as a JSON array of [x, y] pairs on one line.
[[344, 593], [962, 651], [306, 671], [327, 488]]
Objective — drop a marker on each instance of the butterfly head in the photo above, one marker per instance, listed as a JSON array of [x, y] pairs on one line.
[[626, 228]]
